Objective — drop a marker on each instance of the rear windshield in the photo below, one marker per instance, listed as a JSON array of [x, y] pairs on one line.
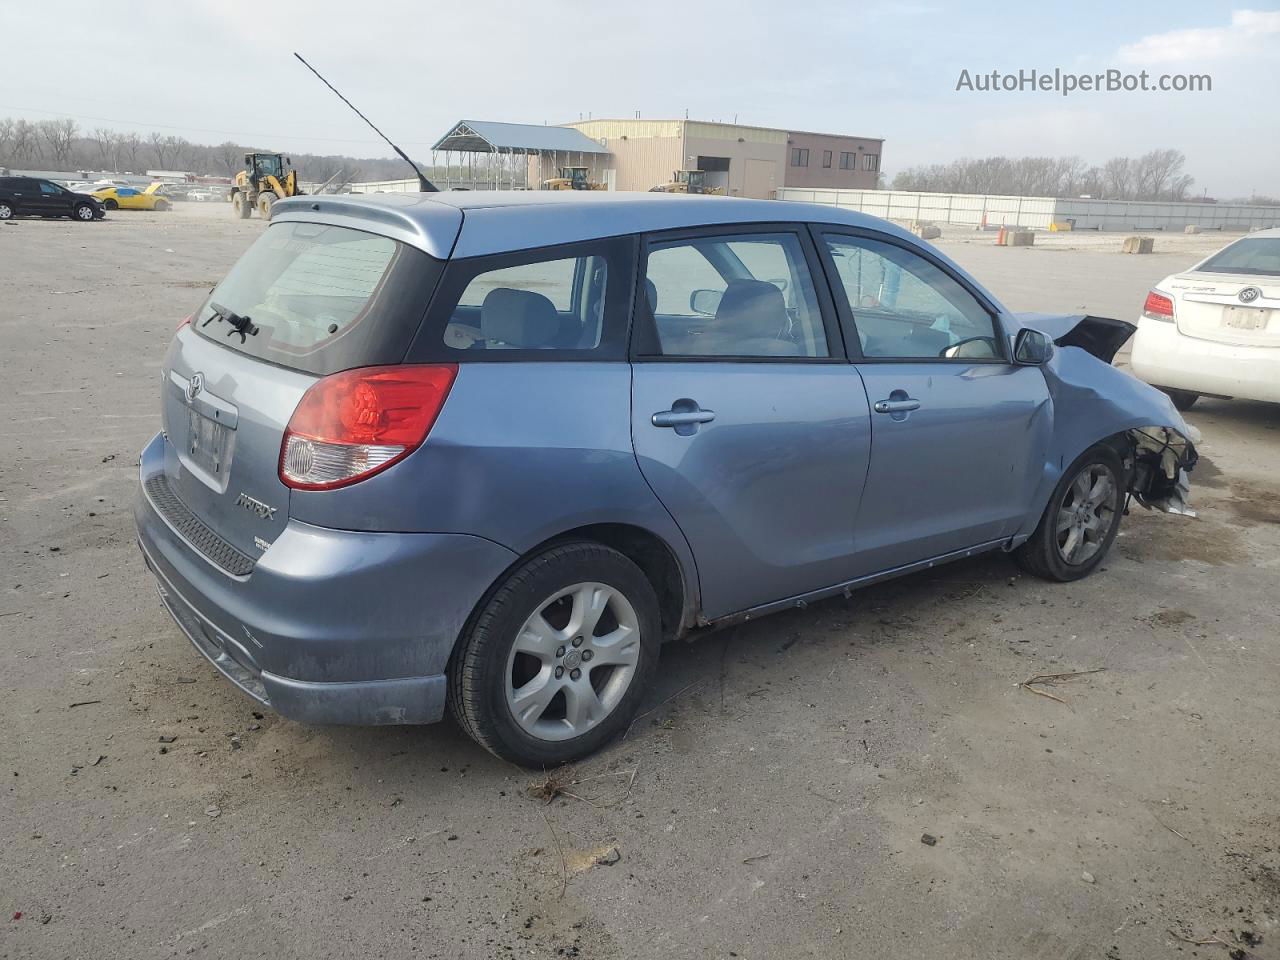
[[1254, 256], [320, 298]]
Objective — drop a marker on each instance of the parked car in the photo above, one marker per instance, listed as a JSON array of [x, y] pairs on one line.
[[205, 194], [36, 197], [414, 460], [131, 198], [1214, 330]]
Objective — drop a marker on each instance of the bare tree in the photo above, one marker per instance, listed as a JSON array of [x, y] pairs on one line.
[[1117, 177], [162, 147], [106, 141], [229, 156], [58, 135], [26, 142], [6, 137], [129, 146]]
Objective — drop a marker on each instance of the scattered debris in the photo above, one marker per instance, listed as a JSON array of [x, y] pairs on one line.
[[610, 858], [83, 703], [1205, 941], [167, 739], [101, 757], [1052, 679], [184, 680], [639, 717], [212, 811], [558, 782], [758, 856], [928, 839], [108, 458], [1087, 877]]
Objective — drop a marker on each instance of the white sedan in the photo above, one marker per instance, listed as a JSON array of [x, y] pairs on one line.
[[1214, 330]]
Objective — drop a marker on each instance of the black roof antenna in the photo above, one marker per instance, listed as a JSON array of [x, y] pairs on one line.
[[425, 185]]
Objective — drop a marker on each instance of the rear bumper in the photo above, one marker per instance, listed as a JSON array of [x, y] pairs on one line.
[[330, 626], [1167, 358]]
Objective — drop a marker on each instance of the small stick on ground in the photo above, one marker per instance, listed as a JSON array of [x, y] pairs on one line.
[[659, 706], [83, 703], [564, 866], [1171, 830], [1054, 678], [1206, 942], [758, 856]]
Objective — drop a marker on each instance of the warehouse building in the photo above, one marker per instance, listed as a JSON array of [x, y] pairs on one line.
[[746, 161], [740, 160]]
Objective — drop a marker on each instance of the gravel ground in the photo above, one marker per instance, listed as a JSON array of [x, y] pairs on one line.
[[771, 801]]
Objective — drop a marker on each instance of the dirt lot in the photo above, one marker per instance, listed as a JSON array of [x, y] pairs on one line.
[[772, 800]]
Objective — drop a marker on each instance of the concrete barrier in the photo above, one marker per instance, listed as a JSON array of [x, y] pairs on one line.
[[1138, 245]]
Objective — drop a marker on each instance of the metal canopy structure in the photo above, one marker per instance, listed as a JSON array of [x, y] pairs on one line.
[[487, 136], [488, 155]]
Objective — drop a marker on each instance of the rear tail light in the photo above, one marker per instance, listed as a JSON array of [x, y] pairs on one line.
[[185, 320], [353, 424], [1158, 307]]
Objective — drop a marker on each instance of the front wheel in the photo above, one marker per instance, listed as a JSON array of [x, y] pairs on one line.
[[266, 200], [241, 207], [1183, 400], [554, 664], [162, 206], [111, 204], [1081, 521]]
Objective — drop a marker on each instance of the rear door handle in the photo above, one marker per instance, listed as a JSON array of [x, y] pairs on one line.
[[897, 406], [681, 418]]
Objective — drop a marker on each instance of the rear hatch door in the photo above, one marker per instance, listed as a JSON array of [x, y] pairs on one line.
[[306, 300]]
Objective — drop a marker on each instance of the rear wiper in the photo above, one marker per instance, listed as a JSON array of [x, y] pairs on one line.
[[241, 325]]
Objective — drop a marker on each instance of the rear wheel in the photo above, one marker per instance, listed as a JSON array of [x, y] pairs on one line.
[[162, 205], [83, 212], [110, 204], [240, 206], [6, 210], [1081, 521], [1182, 399], [266, 200], [554, 664]]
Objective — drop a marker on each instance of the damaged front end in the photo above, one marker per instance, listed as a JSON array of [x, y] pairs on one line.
[[1162, 458], [1095, 402]]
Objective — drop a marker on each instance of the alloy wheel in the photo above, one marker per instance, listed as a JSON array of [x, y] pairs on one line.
[[1086, 513], [572, 661]]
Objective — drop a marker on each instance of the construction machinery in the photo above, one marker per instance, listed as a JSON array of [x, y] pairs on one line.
[[572, 178], [688, 181], [261, 183]]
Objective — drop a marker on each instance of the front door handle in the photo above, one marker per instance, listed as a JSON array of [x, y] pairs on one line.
[[897, 406], [684, 416]]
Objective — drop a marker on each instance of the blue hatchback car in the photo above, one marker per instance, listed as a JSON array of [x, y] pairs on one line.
[[485, 452]]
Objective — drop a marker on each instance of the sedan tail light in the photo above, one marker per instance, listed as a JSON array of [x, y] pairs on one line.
[[1158, 307], [354, 424]]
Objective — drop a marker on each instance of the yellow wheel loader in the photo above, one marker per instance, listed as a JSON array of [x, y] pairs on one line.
[[688, 181], [261, 183], [572, 178]]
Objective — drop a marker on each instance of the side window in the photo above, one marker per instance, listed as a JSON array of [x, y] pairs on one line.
[[547, 304], [741, 295], [48, 189], [904, 307]]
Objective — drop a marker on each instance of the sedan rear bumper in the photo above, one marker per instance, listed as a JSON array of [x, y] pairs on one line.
[[330, 626], [1167, 358]]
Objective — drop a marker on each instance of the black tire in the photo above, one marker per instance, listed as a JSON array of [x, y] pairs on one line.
[[7, 210], [83, 212], [1043, 554], [110, 204], [162, 206], [1182, 399], [240, 206], [266, 200], [480, 672]]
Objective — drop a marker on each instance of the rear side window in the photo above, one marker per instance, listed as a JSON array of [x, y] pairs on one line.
[[566, 302], [321, 298], [1252, 256]]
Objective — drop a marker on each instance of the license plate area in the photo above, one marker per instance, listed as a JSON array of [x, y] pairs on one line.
[[208, 445], [1244, 318]]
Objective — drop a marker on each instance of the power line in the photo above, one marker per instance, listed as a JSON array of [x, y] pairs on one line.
[[224, 133]]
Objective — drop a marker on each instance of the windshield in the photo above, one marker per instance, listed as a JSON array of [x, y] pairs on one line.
[[268, 166], [1252, 256], [321, 298]]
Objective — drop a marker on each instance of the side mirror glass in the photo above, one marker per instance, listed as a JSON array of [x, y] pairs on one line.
[[705, 302], [1031, 347]]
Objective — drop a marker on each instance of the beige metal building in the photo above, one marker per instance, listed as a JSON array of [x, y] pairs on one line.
[[747, 161]]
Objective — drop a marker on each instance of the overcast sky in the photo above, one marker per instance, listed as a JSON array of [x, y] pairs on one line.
[[212, 71]]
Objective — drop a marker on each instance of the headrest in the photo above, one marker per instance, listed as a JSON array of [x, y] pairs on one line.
[[751, 308], [519, 318]]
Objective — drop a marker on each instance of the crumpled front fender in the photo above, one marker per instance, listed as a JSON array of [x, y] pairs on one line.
[[1094, 401]]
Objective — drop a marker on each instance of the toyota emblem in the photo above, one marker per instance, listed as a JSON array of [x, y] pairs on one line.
[[194, 386], [1249, 294]]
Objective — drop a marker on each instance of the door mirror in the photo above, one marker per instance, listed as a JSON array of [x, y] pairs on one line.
[[705, 302], [1031, 348]]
